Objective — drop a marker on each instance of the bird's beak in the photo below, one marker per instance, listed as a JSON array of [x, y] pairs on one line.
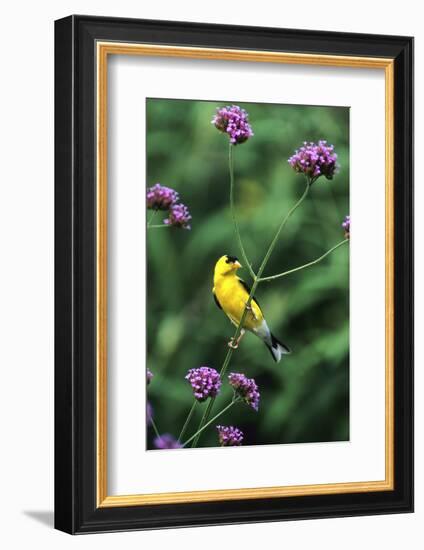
[[237, 265]]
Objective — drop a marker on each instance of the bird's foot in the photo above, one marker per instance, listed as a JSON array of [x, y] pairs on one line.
[[249, 308], [232, 344]]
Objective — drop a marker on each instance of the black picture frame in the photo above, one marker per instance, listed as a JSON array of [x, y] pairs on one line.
[[76, 510]]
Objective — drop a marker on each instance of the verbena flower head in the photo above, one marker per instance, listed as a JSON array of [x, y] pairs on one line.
[[178, 216], [233, 121], [205, 382], [160, 197], [166, 441], [315, 160], [149, 413], [149, 376], [246, 388], [346, 226], [229, 436]]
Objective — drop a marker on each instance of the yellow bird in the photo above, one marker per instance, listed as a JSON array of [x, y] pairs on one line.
[[231, 294]]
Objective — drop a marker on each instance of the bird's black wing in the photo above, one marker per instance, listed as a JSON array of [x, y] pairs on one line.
[[248, 290], [216, 300]]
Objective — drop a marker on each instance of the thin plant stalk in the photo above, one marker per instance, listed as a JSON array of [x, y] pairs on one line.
[[233, 212], [256, 282], [186, 423], [200, 430], [152, 422], [313, 262], [279, 230], [149, 222], [156, 226]]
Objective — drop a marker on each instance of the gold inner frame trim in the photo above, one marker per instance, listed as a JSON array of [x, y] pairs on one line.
[[104, 49]]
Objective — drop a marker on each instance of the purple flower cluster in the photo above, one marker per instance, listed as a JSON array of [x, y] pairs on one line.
[[229, 436], [166, 441], [233, 121], [346, 226], [160, 197], [246, 388], [205, 382], [315, 160], [178, 216], [149, 376]]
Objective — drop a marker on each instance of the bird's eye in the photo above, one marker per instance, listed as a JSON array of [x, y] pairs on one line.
[[231, 260]]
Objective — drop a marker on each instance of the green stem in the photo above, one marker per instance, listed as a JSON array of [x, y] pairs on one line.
[[233, 212], [153, 214], [205, 415], [200, 430], [282, 225], [256, 281], [186, 423], [157, 226], [152, 422], [273, 277]]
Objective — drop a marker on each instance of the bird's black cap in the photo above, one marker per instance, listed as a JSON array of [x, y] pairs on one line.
[[231, 259]]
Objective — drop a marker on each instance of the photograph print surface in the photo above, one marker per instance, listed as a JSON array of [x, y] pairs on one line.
[[248, 232]]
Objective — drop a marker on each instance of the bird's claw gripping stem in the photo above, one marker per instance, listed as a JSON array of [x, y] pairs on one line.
[[235, 345], [249, 308], [232, 344]]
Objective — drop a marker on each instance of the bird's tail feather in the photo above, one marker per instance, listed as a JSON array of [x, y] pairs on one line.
[[277, 349]]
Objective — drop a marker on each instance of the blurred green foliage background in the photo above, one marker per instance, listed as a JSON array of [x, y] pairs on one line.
[[305, 398]]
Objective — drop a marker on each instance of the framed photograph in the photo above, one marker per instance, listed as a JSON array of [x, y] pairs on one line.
[[228, 348]]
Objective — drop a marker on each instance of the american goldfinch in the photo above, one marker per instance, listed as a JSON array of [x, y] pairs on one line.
[[231, 294]]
